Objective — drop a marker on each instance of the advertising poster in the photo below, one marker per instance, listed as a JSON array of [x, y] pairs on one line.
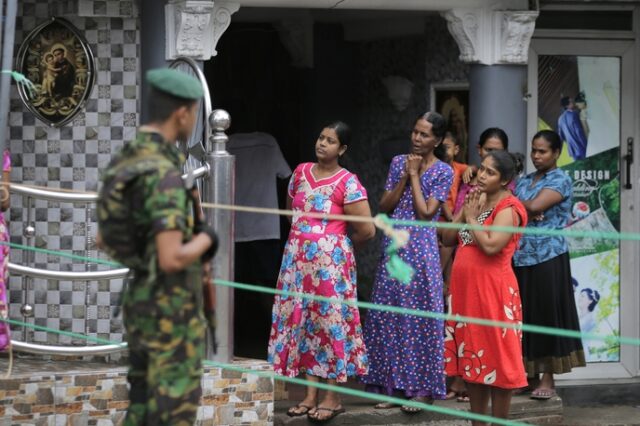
[[579, 98]]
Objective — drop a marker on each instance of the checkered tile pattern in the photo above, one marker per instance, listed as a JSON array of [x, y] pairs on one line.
[[71, 157]]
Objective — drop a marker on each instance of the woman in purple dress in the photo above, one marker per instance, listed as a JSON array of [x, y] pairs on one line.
[[406, 352]]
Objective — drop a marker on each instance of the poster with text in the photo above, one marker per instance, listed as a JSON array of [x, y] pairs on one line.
[[579, 98]]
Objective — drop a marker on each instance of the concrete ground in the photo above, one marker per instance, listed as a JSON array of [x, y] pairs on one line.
[[360, 411]]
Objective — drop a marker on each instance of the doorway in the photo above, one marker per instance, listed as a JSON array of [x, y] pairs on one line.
[[585, 92]]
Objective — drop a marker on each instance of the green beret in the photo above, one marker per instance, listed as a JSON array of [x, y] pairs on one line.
[[175, 83]]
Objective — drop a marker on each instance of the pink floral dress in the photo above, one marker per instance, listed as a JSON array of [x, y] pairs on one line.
[[322, 339], [5, 337]]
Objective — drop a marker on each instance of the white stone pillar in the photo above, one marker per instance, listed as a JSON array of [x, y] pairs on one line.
[[194, 27], [496, 44]]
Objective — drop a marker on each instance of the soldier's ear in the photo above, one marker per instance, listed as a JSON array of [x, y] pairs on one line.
[[181, 114]]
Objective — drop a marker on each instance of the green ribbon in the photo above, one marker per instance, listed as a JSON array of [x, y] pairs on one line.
[[22, 81], [398, 268]]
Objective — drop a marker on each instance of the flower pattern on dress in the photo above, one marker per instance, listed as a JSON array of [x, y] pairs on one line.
[[535, 249], [322, 339]]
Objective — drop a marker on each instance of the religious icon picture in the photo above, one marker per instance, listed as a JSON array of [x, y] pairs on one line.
[[451, 100], [57, 59]]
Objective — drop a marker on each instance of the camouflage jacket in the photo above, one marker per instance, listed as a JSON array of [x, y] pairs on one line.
[[160, 203]]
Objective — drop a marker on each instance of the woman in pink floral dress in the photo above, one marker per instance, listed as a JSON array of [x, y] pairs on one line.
[[321, 339], [5, 337]]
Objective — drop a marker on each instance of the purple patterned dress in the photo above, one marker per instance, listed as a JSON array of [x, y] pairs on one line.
[[406, 353]]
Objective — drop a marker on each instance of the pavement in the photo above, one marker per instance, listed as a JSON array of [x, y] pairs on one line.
[[360, 411]]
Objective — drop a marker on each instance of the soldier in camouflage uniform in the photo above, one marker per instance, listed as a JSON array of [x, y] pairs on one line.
[[162, 305]]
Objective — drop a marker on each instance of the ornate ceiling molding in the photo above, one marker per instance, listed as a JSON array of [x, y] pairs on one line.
[[491, 36], [194, 27]]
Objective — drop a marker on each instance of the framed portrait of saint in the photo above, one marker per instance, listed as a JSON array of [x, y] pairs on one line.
[[57, 59], [451, 100]]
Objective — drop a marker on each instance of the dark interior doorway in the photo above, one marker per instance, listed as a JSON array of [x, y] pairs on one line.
[[251, 77]]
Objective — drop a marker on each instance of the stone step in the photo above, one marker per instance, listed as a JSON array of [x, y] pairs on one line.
[[361, 412]]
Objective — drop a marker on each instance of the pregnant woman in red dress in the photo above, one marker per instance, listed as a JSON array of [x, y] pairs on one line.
[[483, 285]]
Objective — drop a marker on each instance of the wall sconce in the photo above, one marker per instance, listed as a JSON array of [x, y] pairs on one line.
[[399, 90]]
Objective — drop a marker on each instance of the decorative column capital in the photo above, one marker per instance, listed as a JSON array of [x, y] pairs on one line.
[[492, 36], [193, 27]]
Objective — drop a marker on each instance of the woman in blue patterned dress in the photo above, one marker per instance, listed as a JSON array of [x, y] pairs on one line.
[[406, 352], [543, 270]]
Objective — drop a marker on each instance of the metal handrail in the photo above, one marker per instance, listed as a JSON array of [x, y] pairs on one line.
[[34, 348], [68, 275], [53, 194]]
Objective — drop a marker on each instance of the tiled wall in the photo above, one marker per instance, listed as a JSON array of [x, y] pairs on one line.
[[68, 393], [71, 157]]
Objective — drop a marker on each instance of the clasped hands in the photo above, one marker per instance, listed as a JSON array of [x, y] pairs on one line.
[[412, 165], [473, 205]]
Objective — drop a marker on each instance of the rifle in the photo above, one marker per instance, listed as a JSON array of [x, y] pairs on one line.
[[208, 288]]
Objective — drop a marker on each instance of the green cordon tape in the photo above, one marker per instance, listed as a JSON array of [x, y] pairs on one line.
[[632, 236], [405, 311], [272, 375], [23, 81], [62, 254], [63, 333], [361, 394], [436, 315]]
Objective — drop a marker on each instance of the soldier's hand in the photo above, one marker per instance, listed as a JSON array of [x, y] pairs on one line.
[[213, 248]]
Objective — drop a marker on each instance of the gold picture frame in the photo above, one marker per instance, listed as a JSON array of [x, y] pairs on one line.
[[59, 62]]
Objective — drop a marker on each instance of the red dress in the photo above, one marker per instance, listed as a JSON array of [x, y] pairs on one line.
[[485, 286]]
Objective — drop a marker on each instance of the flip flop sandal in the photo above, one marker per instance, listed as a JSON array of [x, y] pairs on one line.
[[463, 397], [292, 413], [450, 395], [334, 412], [385, 405], [415, 410], [521, 391], [543, 394]]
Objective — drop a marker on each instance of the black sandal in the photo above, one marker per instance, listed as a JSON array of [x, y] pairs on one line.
[[334, 412]]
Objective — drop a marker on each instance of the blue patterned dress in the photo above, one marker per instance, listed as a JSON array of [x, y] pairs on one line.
[[406, 353]]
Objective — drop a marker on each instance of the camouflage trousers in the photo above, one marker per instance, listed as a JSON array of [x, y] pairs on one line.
[[166, 349]]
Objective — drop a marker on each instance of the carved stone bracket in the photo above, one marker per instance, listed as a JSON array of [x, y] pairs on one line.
[[194, 27], [492, 36], [516, 28]]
